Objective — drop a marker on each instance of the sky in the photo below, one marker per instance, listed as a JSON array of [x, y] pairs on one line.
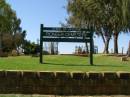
[[51, 13]]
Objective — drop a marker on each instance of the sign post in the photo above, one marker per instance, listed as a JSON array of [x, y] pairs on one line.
[[59, 34], [41, 43]]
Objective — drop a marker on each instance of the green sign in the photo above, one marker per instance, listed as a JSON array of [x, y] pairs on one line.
[[59, 34]]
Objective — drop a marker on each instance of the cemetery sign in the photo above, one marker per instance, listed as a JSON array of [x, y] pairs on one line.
[[59, 34]]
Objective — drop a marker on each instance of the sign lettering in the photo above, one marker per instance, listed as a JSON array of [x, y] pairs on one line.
[[66, 34]]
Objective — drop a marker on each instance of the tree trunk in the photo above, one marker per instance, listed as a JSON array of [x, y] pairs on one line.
[[106, 51], [87, 51], [103, 38], [52, 48], [106, 43], [115, 43]]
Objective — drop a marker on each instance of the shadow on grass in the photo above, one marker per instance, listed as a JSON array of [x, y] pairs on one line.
[[85, 65]]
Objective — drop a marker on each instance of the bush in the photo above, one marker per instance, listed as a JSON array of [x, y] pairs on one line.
[[3, 54], [36, 55], [46, 53]]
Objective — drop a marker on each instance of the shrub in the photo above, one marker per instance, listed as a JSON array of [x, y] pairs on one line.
[[3, 54]]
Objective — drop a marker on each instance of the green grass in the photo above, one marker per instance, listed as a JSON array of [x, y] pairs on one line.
[[65, 63]]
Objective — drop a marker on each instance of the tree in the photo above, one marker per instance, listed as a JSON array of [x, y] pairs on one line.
[[53, 48], [120, 20], [23, 39], [27, 47], [7, 41], [90, 13], [107, 17], [5, 19], [2, 4], [9, 27], [31, 48]]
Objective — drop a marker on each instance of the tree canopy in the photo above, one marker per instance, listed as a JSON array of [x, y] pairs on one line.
[[107, 17], [11, 34]]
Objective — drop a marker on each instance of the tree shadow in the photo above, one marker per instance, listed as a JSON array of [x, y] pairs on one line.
[[85, 65]]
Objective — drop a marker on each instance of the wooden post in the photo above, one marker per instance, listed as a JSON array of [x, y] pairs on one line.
[[41, 43], [91, 48]]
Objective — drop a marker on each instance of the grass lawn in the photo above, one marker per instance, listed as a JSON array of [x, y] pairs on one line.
[[65, 63]]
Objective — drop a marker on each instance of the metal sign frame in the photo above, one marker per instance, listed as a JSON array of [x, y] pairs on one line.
[[59, 34]]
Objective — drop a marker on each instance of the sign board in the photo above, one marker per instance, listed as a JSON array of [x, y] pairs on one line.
[[59, 34]]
